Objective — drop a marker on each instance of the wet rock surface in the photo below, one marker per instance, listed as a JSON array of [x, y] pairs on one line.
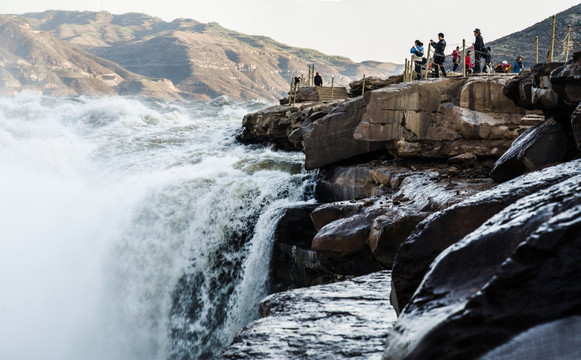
[[494, 283], [347, 319], [445, 228], [558, 339], [293, 263], [545, 144]]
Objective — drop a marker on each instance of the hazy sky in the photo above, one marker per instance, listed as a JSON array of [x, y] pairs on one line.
[[359, 29]]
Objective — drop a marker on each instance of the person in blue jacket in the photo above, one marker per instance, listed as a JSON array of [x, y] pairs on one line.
[[517, 66], [418, 57]]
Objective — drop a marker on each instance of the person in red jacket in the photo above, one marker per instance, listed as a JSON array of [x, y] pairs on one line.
[[456, 58], [468, 62]]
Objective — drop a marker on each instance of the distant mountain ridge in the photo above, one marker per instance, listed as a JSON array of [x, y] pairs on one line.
[[522, 43], [201, 60], [37, 61]]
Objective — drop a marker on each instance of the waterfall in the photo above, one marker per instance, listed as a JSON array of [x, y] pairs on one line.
[[132, 228]]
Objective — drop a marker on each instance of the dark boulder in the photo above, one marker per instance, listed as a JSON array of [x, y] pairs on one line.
[[558, 339], [293, 262], [533, 89], [566, 81], [518, 270], [576, 126], [545, 144], [442, 229]]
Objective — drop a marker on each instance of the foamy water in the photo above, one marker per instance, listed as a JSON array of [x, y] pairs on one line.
[[133, 229]]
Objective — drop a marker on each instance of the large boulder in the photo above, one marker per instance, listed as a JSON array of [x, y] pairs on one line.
[[533, 89], [275, 124], [554, 340], [543, 145], [330, 139], [566, 81], [293, 262], [518, 270], [372, 83], [445, 228], [576, 126], [347, 319]]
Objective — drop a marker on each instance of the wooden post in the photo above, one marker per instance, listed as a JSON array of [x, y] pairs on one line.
[[332, 88], [295, 97], [552, 49], [536, 49], [363, 86], [290, 93], [567, 44], [405, 71], [313, 76], [428, 65], [463, 57], [412, 69]]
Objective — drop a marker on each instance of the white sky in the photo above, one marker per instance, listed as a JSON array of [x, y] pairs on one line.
[[359, 29]]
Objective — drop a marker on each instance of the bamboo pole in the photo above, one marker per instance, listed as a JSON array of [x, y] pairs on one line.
[[363, 86], [567, 45], [290, 92], [463, 57], [536, 49], [332, 88], [428, 65], [552, 49]]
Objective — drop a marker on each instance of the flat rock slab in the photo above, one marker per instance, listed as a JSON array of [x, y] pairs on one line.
[[348, 319]]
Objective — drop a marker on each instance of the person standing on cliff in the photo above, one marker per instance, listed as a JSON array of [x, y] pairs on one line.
[[318, 80], [479, 50], [488, 56], [418, 57], [456, 58], [439, 56]]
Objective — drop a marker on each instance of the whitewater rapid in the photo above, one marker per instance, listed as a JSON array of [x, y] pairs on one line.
[[133, 229]]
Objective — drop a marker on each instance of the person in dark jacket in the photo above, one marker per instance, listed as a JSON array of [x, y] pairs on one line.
[[479, 50], [488, 56], [439, 56], [318, 80]]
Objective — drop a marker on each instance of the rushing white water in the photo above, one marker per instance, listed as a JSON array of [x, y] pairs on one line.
[[133, 229]]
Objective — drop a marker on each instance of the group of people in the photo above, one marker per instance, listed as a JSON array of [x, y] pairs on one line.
[[482, 57]]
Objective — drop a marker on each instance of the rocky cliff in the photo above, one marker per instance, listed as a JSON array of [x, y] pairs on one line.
[[201, 60], [472, 198]]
